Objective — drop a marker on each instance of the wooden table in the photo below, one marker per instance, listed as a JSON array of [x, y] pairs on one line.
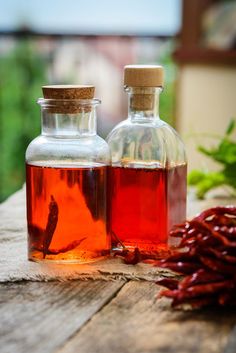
[[106, 316]]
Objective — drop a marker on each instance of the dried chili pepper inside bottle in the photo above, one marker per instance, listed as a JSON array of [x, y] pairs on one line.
[[66, 178], [147, 180]]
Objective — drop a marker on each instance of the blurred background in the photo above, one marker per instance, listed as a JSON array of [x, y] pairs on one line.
[[89, 42]]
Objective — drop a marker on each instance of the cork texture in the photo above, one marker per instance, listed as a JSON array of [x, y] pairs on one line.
[[143, 98], [65, 98], [142, 102], [143, 76], [68, 92]]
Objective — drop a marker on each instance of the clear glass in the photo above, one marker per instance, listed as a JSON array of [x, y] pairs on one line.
[[66, 178], [147, 180]]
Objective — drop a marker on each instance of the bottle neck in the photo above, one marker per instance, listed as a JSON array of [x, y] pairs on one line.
[[143, 102], [68, 121]]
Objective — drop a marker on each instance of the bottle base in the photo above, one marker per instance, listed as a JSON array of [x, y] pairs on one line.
[[76, 258], [160, 250]]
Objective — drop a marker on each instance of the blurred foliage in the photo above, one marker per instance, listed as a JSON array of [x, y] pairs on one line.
[[225, 154], [167, 98], [167, 104], [22, 73]]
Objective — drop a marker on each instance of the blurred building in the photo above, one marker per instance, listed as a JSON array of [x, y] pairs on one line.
[[206, 85]]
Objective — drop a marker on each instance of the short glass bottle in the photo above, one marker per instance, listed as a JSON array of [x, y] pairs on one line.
[[147, 180], [66, 178]]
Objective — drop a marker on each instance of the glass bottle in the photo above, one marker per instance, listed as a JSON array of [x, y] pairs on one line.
[[66, 176], [147, 180]]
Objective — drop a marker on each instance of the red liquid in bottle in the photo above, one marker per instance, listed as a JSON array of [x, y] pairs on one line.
[[144, 204], [66, 213]]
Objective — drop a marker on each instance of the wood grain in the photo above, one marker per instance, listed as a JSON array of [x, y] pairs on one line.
[[134, 322], [231, 344], [39, 317]]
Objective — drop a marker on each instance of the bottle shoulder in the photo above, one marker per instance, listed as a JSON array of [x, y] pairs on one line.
[[146, 140], [141, 124], [91, 148], [157, 130]]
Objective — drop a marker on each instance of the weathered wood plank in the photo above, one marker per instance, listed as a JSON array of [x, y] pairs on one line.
[[39, 317], [231, 344], [134, 322]]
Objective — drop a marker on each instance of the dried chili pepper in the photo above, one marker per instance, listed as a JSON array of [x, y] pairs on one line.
[[219, 210], [69, 247], [181, 267], [132, 257], [51, 225], [169, 283], [223, 255], [200, 277]]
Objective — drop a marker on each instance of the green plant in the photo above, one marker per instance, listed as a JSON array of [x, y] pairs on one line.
[[225, 154], [167, 98], [22, 72]]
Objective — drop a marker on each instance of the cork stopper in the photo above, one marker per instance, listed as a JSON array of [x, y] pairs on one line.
[[65, 98], [68, 92], [143, 76], [143, 79]]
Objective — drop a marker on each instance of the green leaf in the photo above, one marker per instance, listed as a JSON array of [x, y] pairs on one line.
[[205, 151], [225, 154], [230, 127], [230, 174], [208, 182], [195, 176]]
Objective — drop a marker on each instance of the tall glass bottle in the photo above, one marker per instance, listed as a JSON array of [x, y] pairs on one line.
[[147, 180], [66, 176]]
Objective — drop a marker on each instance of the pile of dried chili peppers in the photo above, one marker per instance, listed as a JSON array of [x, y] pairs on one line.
[[205, 256]]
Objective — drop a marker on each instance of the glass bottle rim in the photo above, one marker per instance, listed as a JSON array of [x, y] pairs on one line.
[[143, 90], [48, 103]]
